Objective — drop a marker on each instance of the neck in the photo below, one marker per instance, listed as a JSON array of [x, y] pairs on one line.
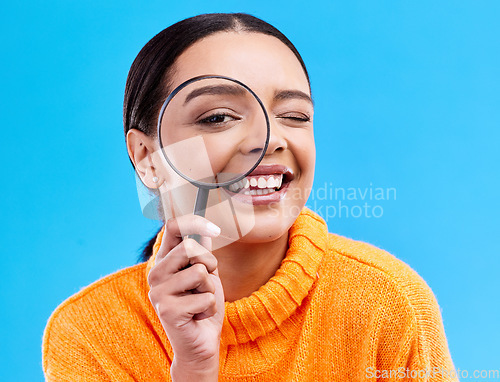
[[245, 267]]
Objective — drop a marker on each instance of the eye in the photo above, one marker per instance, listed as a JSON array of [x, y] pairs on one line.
[[216, 118], [294, 118]]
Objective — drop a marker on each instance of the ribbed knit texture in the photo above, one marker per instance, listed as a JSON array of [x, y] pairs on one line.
[[335, 308]]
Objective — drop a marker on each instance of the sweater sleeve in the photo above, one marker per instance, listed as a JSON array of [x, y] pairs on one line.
[[401, 316], [422, 350], [108, 331], [66, 357], [428, 353]]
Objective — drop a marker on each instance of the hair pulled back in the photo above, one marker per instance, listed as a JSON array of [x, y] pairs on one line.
[[148, 82]]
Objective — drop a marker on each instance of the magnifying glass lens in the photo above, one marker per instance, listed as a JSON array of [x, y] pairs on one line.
[[213, 131]]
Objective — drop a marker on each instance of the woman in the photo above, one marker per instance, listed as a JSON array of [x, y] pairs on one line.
[[288, 301]]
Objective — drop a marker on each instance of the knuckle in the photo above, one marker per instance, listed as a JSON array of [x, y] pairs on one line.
[[186, 245], [189, 245], [163, 310], [152, 277], [213, 289], [212, 263], [200, 271], [197, 277], [211, 301], [169, 225], [208, 260], [161, 304]]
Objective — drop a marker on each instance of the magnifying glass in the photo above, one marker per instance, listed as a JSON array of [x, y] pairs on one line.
[[213, 132]]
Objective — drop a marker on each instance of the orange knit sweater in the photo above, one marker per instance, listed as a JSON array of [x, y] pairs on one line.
[[336, 310]]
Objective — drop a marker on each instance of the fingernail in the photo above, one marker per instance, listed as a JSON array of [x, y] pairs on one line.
[[213, 229]]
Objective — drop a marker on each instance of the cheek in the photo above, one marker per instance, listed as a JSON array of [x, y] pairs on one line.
[[220, 151], [304, 150], [304, 153], [228, 154]]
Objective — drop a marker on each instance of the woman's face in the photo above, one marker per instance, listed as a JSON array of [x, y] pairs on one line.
[[272, 71]]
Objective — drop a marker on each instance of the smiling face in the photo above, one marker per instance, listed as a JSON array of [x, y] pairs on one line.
[[279, 187]]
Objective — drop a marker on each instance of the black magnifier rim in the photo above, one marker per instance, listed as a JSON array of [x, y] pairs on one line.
[[195, 182]]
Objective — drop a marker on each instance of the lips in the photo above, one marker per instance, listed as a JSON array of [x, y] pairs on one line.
[[266, 184]]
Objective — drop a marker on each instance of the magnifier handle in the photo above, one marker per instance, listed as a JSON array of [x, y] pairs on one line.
[[199, 208]]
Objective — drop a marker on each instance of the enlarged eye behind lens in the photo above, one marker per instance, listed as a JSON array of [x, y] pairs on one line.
[[218, 121], [216, 118]]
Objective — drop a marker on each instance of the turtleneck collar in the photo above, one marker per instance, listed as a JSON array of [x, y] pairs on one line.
[[275, 301]]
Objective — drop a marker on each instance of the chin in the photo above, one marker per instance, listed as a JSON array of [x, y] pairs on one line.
[[272, 222], [249, 217]]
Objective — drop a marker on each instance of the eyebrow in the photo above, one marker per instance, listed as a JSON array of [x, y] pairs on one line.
[[215, 90], [292, 94]]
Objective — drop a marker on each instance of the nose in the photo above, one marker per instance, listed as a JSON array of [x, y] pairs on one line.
[[277, 141], [254, 142]]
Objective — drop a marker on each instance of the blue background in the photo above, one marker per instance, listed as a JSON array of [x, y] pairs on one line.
[[407, 96]]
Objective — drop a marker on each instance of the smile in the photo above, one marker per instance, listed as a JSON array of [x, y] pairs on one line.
[[258, 185], [266, 184]]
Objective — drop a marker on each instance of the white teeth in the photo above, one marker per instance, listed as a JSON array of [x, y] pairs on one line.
[[236, 186], [265, 186], [259, 191], [262, 183]]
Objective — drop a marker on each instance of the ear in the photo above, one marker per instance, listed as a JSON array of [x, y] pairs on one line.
[[141, 148]]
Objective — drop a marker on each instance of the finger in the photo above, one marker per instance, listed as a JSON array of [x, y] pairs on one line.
[[206, 242], [192, 279], [219, 301], [177, 228], [190, 225], [189, 252], [212, 309], [182, 309], [195, 304]]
